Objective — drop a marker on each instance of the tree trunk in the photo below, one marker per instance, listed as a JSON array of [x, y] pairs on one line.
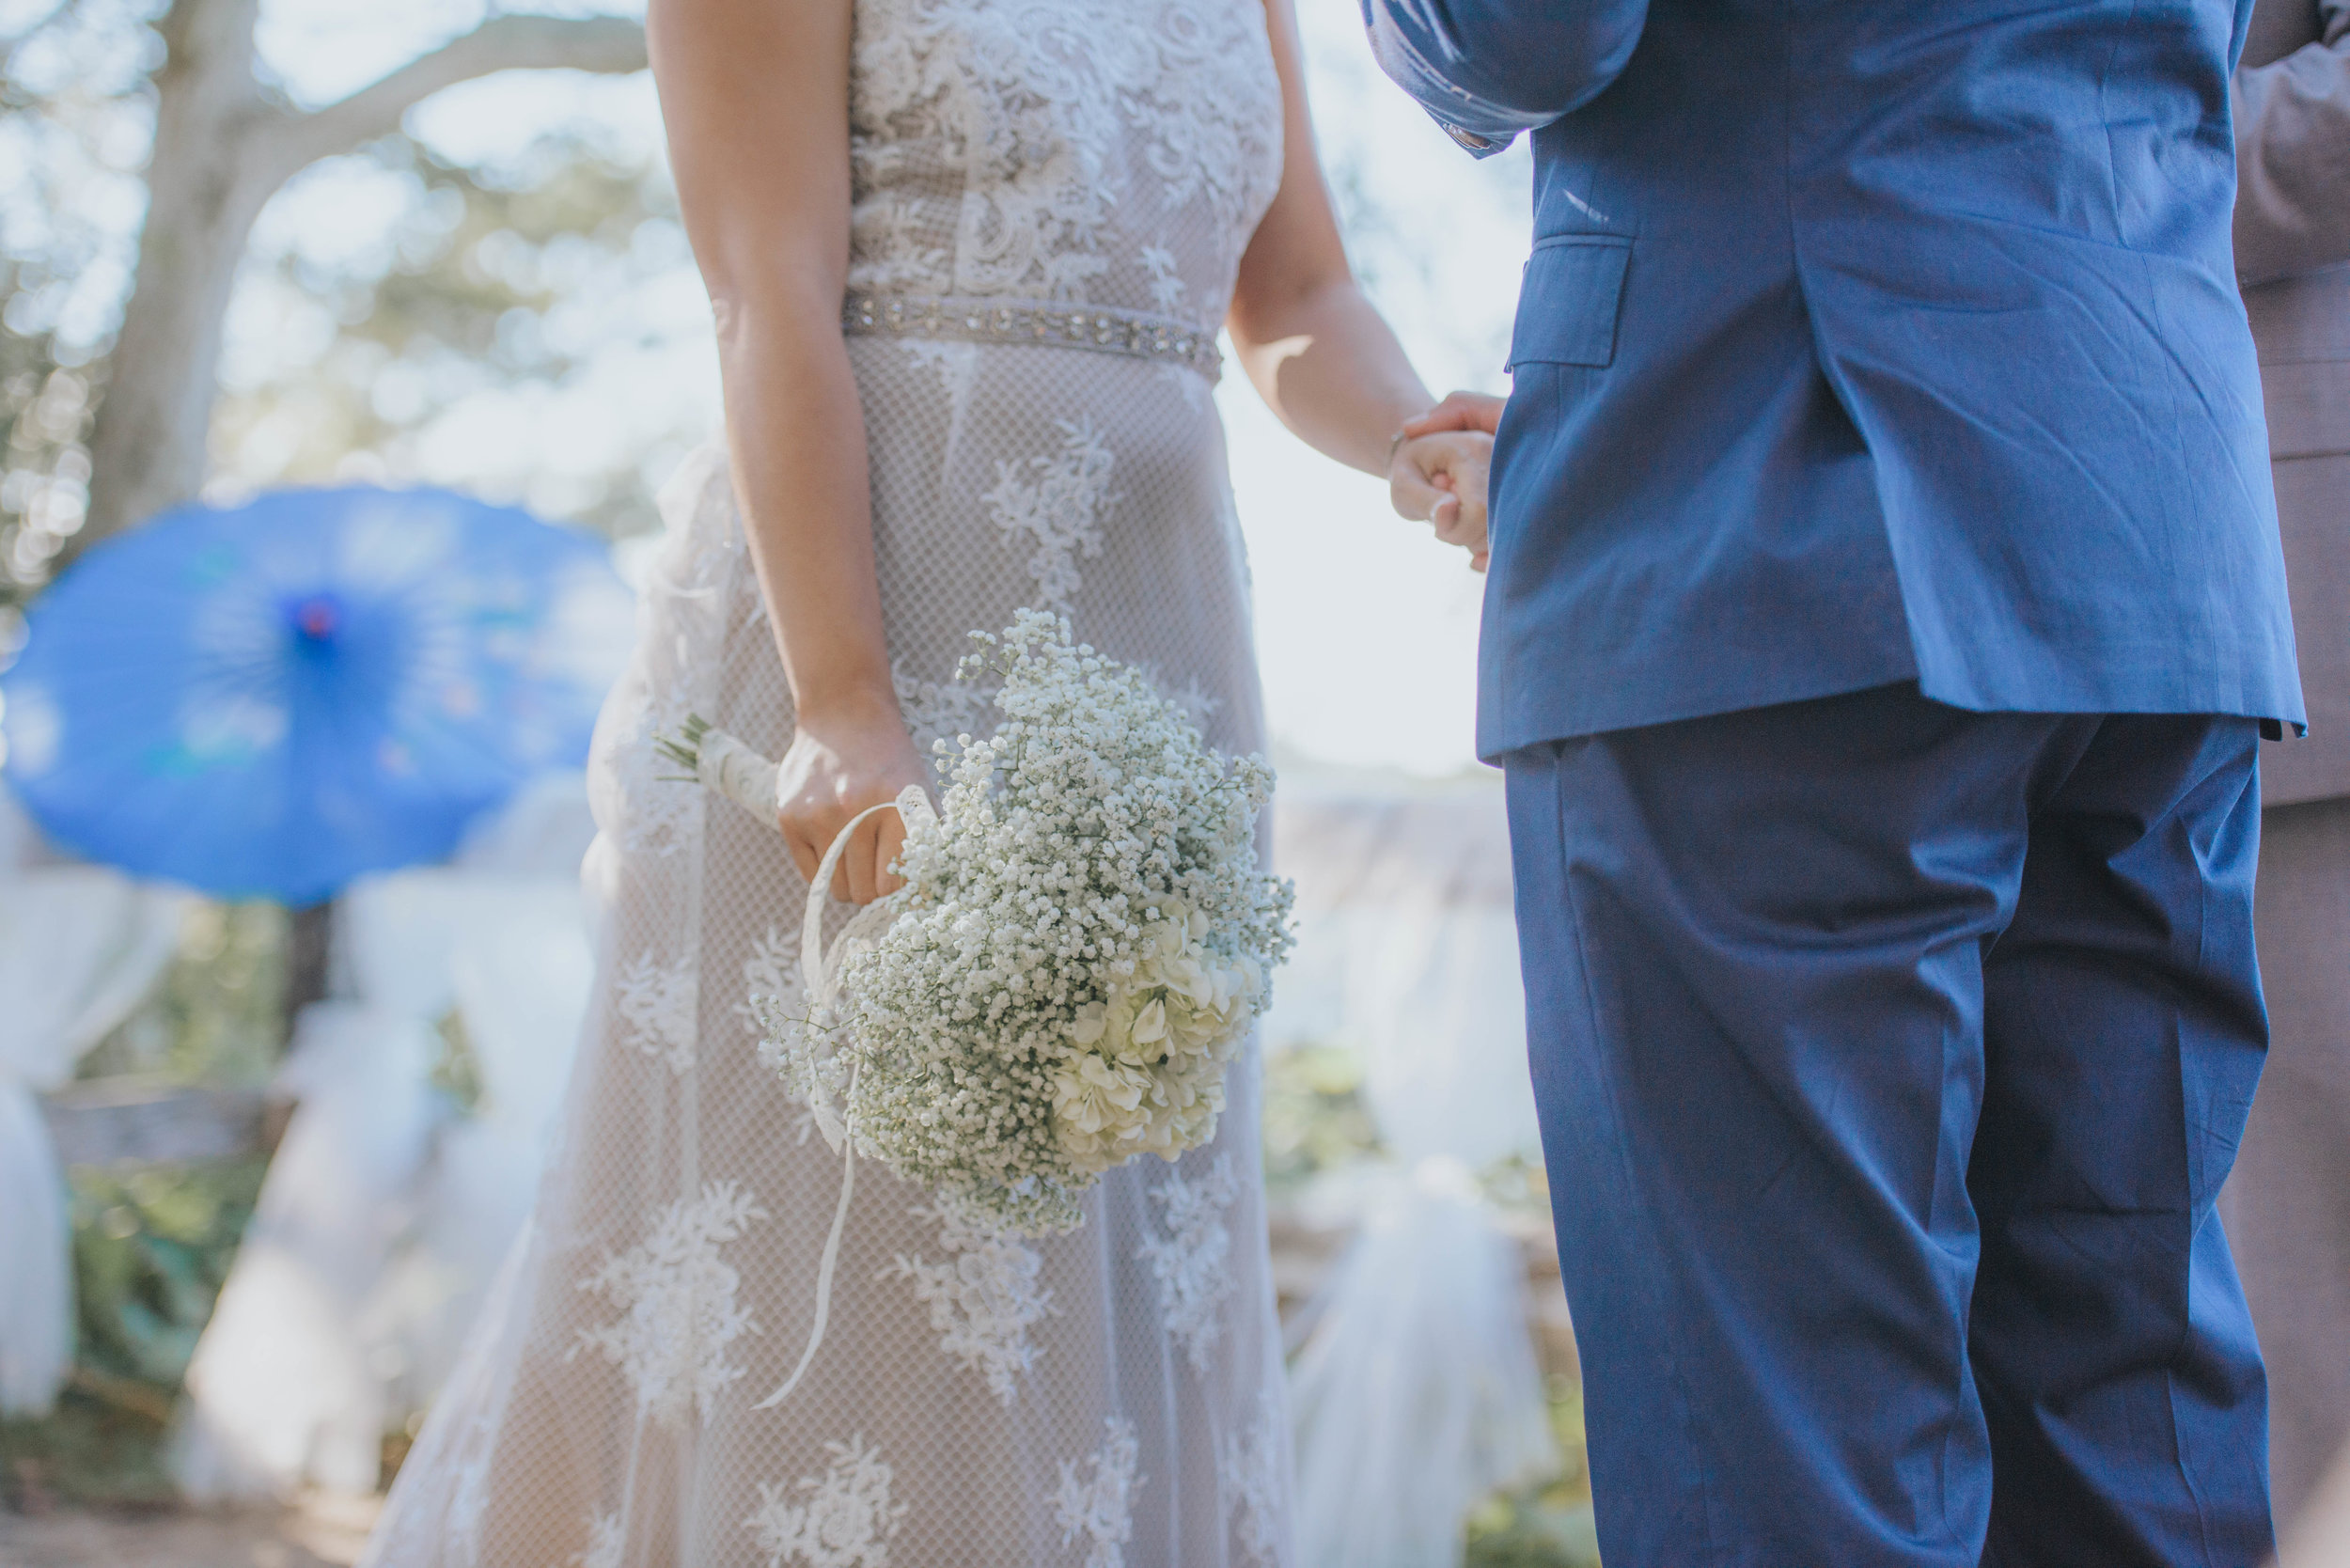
[[309, 959], [205, 189], [221, 151]]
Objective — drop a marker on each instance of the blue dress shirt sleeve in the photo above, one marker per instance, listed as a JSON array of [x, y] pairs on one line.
[[1488, 69]]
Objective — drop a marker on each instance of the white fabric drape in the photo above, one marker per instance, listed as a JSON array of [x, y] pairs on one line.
[[387, 1209], [1416, 1392], [80, 945]]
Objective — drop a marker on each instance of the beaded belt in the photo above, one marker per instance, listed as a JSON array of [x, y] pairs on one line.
[[1100, 329]]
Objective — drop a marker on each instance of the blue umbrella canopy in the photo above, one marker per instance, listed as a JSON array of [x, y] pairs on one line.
[[272, 698]]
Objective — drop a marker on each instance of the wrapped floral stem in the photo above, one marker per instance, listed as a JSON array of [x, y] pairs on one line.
[[713, 758]]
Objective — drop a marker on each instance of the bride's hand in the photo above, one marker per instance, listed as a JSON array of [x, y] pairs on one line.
[[1440, 463], [835, 767], [1439, 477]]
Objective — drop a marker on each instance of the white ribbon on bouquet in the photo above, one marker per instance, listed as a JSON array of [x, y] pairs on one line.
[[742, 776]]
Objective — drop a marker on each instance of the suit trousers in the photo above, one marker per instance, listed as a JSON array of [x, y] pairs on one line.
[[1889, 1058], [2287, 1206]]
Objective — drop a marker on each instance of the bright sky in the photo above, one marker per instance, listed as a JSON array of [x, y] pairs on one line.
[[1366, 629]]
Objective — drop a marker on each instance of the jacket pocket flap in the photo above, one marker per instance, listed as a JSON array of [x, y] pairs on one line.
[[1568, 302]]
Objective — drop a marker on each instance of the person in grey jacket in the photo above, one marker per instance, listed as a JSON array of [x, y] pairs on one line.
[[2287, 1207]]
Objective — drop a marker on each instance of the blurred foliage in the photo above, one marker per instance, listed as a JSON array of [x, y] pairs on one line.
[[153, 1244], [457, 1070], [503, 275], [1314, 1116], [88, 1450], [1517, 1184], [151, 1248], [76, 120], [1547, 1526], [217, 1017], [513, 279]]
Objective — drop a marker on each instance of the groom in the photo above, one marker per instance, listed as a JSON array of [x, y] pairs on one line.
[[1886, 604]]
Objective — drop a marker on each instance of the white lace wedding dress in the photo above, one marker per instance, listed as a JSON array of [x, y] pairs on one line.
[[1051, 198]]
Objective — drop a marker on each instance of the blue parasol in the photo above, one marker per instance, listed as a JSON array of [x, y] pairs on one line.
[[272, 698]]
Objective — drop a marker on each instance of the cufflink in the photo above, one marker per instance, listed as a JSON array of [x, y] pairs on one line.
[[1468, 139]]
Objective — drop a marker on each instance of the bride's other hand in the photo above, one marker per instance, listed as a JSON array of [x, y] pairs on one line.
[[1459, 411], [1440, 478], [835, 768]]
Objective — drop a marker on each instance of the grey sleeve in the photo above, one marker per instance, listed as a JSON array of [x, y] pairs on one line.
[[2292, 157]]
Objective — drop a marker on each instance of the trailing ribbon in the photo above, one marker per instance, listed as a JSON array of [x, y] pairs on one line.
[[723, 763], [820, 974]]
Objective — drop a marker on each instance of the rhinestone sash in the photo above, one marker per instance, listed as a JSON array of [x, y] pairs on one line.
[[1098, 329]]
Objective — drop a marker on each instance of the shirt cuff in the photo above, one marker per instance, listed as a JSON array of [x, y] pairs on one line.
[[1482, 147], [1482, 128]]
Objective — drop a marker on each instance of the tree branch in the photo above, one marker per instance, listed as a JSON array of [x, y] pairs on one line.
[[605, 45]]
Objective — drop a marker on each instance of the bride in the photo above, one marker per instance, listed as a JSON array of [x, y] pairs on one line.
[[968, 260]]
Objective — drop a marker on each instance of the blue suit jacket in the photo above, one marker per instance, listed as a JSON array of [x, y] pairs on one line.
[[1866, 340]]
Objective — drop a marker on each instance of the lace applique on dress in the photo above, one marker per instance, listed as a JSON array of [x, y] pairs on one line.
[[658, 1002], [1166, 286], [654, 815], [983, 1299], [772, 974], [1205, 122], [983, 90], [1189, 1261], [1199, 704], [678, 1312], [1249, 1468], [1061, 511], [469, 1490], [940, 709], [951, 363], [842, 1519], [607, 1541], [773, 969], [1191, 388], [988, 142], [1101, 1512]]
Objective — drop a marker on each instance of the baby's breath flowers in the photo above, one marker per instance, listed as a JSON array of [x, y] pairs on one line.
[[1083, 941]]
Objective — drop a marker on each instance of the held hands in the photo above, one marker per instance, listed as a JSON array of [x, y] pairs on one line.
[[1437, 471], [837, 765]]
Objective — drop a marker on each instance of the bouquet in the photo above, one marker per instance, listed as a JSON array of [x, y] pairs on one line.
[[1082, 942]]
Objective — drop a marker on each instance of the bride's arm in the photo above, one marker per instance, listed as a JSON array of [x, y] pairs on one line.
[[756, 98], [1325, 359]]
